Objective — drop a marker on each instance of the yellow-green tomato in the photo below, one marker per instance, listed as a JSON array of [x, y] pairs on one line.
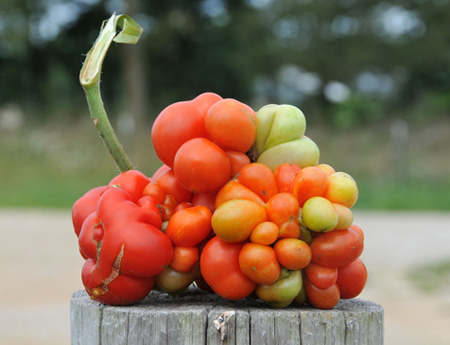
[[319, 214], [342, 188], [281, 293]]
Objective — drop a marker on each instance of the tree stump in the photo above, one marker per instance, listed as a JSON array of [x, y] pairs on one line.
[[198, 318]]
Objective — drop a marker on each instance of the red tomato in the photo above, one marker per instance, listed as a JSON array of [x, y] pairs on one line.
[[322, 298], [284, 175], [260, 179], [259, 263], [175, 125], [219, 265], [292, 253], [352, 279], [204, 101], [155, 192], [170, 185], [238, 160], [310, 181], [205, 199], [321, 276], [184, 258], [189, 226], [201, 166], [336, 248], [282, 209]]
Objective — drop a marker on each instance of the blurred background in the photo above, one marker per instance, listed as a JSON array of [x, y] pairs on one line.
[[372, 78]]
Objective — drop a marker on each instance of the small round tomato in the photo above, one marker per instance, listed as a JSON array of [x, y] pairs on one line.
[[285, 175], [219, 265], [292, 253], [201, 166], [259, 263], [155, 192], [265, 233], [309, 182], [260, 179], [336, 248], [322, 298], [184, 258], [189, 226], [321, 276], [352, 279], [234, 220]]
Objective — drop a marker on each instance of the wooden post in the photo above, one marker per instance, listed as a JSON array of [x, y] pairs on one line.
[[202, 318]]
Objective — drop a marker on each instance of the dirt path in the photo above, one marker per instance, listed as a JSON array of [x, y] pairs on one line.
[[40, 268]]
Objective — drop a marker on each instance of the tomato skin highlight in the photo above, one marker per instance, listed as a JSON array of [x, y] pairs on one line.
[[336, 248], [219, 265]]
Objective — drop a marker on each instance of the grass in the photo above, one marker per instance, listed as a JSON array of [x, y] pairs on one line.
[[432, 277], [52, 166]]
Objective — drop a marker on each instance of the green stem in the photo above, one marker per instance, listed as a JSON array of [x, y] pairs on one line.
[[90, 81]]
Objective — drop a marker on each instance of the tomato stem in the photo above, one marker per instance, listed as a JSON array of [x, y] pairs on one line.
[[90, 81]]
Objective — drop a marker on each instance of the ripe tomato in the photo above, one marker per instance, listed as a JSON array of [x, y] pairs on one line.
[[259, 263], [189, 226], [238, 160], [309, 182], [184, 258], [322, 298], [336, 248], [321, 276], [231, 125], [219, 265], [260, 179], [352, 279], [170, 185], [201, 166], [205, 199], [204, 101], [234, 220], [282, 209], [155, 192], [235, 190], [265, 233], [292, 253], [284, 175], [176, 124]]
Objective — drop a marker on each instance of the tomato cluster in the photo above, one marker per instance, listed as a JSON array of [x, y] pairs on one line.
[[237, 227]]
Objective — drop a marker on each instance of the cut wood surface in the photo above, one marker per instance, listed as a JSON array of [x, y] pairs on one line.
[[203, 318]]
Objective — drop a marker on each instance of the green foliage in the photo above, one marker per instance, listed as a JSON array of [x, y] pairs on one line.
[[357, 110], [433, 277]]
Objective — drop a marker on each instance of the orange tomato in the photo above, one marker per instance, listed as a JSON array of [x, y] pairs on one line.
[[234, 220], [170, 185], [292, 253], [184, 258], [310, 181], [259, 263], [260, 179], [284, 176], [265, 233], [235, 190], [189, 226], [322, 298], [231, 125], [204, 101], [282, 209]]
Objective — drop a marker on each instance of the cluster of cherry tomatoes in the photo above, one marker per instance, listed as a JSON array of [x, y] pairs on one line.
[[241, 229], [278, 229]]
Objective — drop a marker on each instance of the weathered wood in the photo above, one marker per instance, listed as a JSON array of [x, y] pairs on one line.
[[201, 318]]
